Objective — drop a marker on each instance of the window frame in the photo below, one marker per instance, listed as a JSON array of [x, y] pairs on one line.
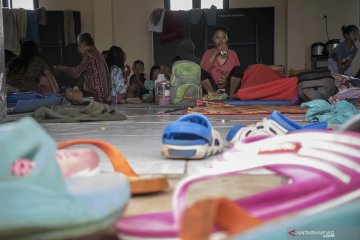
[[196, 4]]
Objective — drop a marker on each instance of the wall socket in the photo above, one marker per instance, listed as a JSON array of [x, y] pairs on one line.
[[322, 16]]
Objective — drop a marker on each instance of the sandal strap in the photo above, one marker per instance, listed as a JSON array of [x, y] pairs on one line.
[[200, 218]]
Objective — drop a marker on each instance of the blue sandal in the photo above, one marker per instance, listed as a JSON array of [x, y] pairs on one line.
[[191, 137]]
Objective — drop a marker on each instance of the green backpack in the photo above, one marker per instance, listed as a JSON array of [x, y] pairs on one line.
[[185, 82]]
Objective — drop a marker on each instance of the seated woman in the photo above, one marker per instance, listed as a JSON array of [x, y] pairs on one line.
[[93, 73], [221, 70], [220, 65], [29, 72]]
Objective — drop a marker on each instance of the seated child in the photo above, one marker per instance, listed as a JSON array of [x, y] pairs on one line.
[[136, 86], [116, 64], [149, 84]]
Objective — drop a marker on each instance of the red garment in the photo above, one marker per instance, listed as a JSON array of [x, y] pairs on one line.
[[217, 69], [172, 27], [258, 74], [262, 83]]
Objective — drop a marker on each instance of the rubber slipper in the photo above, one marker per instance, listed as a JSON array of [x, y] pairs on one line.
[[275, 124], [318, 181], [191, 137], [78, 162], [38, 203], [139, 184]]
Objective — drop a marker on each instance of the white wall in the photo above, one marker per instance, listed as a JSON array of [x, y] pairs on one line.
[[103, 24], [305, 26], [297, 25], [130, 29]]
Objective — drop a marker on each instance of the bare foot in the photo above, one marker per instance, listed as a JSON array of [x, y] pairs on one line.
[[74, 96]]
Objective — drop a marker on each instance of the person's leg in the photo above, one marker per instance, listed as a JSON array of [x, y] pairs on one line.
[[133, 93], [234, 81], [207, 82]]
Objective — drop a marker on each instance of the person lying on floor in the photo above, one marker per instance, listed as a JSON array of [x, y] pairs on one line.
[[93, 73], [266, 82], [29, 72]]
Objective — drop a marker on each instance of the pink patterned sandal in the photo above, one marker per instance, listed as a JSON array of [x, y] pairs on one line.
[[78, 162], [320, 176]]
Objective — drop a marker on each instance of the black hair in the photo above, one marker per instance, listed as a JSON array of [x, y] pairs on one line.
[[116, 56], [219, 28], [105, 52], [348, 29], [29, 50], [138, 62], [152, 70], [176, 58], [86, 39]]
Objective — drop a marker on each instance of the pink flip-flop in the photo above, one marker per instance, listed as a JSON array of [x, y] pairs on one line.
[[320, 177]]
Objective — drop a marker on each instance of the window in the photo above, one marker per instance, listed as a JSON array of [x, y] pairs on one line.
[[219, 4], [180, 5], [23, 4], [26, 4], [176, 5]]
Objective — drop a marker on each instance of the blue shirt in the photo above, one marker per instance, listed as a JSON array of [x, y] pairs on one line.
[[343, 51]]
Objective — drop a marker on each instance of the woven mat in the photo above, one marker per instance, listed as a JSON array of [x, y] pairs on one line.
[[210, 108]]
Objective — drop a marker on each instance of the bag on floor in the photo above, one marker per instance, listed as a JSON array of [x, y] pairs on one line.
[[316, 85], [185, 82]]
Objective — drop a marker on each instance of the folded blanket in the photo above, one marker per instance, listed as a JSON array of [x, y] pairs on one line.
[[95, 111]]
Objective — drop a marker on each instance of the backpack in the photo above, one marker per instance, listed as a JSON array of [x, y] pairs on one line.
[[185, 82], [316, 85]]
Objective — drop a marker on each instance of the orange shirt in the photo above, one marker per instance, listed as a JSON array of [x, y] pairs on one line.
[[217, 69]]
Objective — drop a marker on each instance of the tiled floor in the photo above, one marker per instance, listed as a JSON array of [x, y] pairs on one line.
[[139, 139]]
